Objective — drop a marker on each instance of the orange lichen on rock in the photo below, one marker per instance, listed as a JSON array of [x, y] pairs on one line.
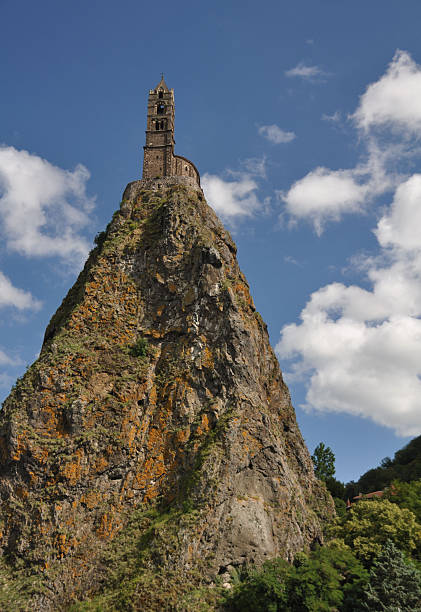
[[21, 492], [207, 358], [63, 544], [182, 435], [72, 470], [110, 524], [242, 290], [251, 446], [203, 428], [100, 464], [19, 447], [160, 310], [91, 499]]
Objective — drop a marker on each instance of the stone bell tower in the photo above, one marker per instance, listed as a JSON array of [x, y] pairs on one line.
[[159, 160], [159, 147]]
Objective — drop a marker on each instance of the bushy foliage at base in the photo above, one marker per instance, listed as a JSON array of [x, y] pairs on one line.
[[260, 590], [329, 578]]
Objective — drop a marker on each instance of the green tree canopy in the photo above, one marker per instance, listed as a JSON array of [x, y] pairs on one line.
[[369, 524], [260, 590], [406, 495], [340, 507], [330, 578], [394, 584], [324, 462], [335, 487]]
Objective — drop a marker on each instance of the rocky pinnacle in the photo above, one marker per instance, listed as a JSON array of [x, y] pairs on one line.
[[156, 411]]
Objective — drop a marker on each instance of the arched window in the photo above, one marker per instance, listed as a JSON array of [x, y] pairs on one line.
[[161, 94], [161, 108], [157, 125]]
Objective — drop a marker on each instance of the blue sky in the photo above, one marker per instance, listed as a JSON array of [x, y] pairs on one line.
[[304, 119]]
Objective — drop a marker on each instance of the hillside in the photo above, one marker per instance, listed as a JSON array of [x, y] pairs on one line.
[[405, 466]]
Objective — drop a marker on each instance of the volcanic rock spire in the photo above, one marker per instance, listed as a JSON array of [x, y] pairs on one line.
[[153, 445]]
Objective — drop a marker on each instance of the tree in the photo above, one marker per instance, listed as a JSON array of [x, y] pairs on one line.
[[340, 507], [315, 585], [324, 462], [369, 524], [260, 590], [394, 585], [335, 487], [386, 462], [351, 490], [406, 495], [375, 479], [330, 578]]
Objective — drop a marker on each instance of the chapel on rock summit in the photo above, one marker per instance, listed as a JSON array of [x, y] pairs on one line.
[[152, 449], [159, 160]]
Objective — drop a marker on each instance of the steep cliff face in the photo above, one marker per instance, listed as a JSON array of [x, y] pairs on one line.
[[154, 433]]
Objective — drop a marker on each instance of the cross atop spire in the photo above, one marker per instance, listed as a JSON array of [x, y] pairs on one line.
[[162, 84]]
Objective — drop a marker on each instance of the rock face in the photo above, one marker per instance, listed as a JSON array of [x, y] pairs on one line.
[[153, 443]]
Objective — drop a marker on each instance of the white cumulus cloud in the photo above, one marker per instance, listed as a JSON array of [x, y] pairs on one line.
[[360, 349], [43, 208], [390, 103], [236, 197], [274, 134], [233, 198], [400, 228], [393, 100], [13, 296], [324, 195]]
